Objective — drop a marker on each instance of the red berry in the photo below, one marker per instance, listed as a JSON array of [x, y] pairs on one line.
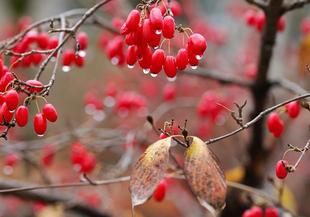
[[197, 45], [247, 213], [156, 19], [160, 191], [5, 114], [68, 57], [131, 23], [78, 152], [79, 61], [39, 123], [11, 99], [21, 116], [275, 124], [250, 17], [88, 163], [281, 24], [182, 59], [170, 66], [175, 8], [260, 21], [168, 27], [271, 212], [5, 81], [36, 58], [11, 160], [48, 155], [169, 92], [158, 60], [43, 40], [50, 112], [37, 86], [163, 136], [293, 109], [146, 60], [82, 38], [132, 55], [53, 43], [256, 211], [1, 68], [281, 170]]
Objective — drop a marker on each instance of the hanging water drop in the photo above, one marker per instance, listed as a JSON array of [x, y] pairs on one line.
[[40, 135], [198, 57], [131, 66], [158, 31], [154, 75], [146, 71], [66, 68], [172, 79], [194, 67], [109, 101], [115, 60], [82, 53]]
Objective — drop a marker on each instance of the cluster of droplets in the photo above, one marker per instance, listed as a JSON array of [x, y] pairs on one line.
[[82, 160], [75, 56], [275, 124], [257, 211], [257, 19]]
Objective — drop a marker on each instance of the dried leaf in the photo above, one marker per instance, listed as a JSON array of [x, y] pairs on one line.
[[204, 176], [149, 171]]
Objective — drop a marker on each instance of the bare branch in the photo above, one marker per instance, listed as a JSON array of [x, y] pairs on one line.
[[295, 5], [259, 3]]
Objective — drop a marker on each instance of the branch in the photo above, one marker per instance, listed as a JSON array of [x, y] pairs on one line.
[[259, 3], [256, 119], [295, 5]]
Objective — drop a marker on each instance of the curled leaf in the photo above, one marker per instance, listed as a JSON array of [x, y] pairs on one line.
[[204, 176], [149, 171]]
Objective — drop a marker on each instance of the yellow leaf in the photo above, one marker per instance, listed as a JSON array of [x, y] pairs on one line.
[[51, 211], [235, 174]]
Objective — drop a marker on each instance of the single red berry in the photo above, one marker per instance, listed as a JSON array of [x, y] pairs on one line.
[[146, 60], [271, 212], [281, 170], [131, 23], [11, 99], [281, 24], [247, 213], [175, 8], [53, 43], [68, 57], [293, 109], [78, 151], [160, 191], [50, 112], [36, 86], [168, 27], [275, 124], [36, 58], [170, 66], [257, 211], [169, 92], [250, 17], [131, 39], [88, 163], [163, 136], [82, 38], [156, 19], [5, 81], [197, 45], [5, 114], [132, 55], [182, 59], [11, 160], [260, 21], [40, 124], [48, 155], [158, 60], [1, 68], [43, 40], [21, 116], [79, 61]]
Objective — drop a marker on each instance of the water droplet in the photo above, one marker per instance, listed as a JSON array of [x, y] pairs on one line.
[[99, 115], [82, 53], [172, 79], [53, 59], [198, 57], [115, 60], [7, 170], [194, 67], [90, 109], [154, 75], [66, 68], [158, 31], [109, 101], [146, 71], [131, 66], [12, 111], [40, 135], [156, 47]]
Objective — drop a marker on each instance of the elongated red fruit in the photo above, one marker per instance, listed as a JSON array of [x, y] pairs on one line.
[[168, 27], [21, 116], [50, 112], [40, 124], [170, 67], [11, 99], [182, 59], [156, 19]]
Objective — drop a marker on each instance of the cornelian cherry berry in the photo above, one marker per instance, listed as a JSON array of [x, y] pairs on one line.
[[257, 211], [11, 160], [40, 124], [168, 27], [37, 86], [78, 151], [182, 59], [50, 112], [271, 212], [132, 56], [163, 136], [48, 155], [197, 45], [260, 21], [68, 57], [160, 191], [82, 38], [5, 114], [281, 24], [293, 109], [43, 40], [275, 124], [250, 17], [281, 170], [131, 23], [21, 116], [11, 99], [170, 67], [158, 60], [169, 92], [156, 19], [88, 163]]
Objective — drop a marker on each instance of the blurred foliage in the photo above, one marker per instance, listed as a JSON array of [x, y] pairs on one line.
[[18, 7]]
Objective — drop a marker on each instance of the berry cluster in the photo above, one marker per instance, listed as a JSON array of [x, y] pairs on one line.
[[257, 19], [257, 211], [143, 32], [71, 57], [274, 122], [82, 160]]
